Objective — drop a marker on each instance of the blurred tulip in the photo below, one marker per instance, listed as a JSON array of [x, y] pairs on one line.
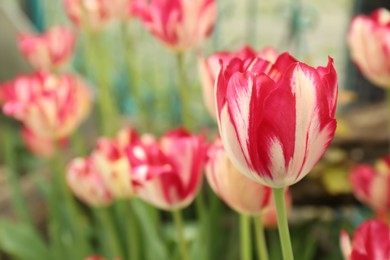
[[121, 9], [38, 145], [179, 24], [50, 106], [172, 168], [372, 186], [208, 69], [50, 50], [104, 175], [371, 241], [276, 119], [91, 15], [238, 191], [369, 45]]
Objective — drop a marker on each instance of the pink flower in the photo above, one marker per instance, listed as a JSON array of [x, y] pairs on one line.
[[179, 24], [369, 44], [371, 241], [40, 146], [276, 119], [90, 15], [106, 174], [50, 106], [121, 9], [50, 50], [238, 191], [172, 168], [208, 69], [372, 186]]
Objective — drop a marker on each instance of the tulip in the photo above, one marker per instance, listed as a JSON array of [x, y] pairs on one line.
[[38, 145], [238, 191], [172, 168], [179, 24], [276, 119], [105, 174], [371, 241], [50, 106], [121, 9], [371, 185], [369, 45], [208, 69], [50, 50], [92, 15]]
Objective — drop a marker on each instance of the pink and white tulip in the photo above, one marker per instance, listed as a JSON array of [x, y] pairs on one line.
[[171, 168], [277, 119], [179, 24], [371, 185], [238, 191], [208, 69], [50, 50], [51, 106], [91, 15], [371, 241], [369, 45], [37, 144]]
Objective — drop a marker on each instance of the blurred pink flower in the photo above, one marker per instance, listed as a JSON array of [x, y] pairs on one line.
[[238, 191], [371, 185], [171, 168], [369, 45], [179, 24], [105, 175], [50, 50], [371, 241], [50, 106], [208, 69], [38, 145]]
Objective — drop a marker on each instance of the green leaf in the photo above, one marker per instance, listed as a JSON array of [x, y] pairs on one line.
[[22, 241]]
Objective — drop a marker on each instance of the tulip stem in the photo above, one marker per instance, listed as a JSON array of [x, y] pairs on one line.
[[183, 91], [260, 238], [245, 238], [178, 219], [132, 230], [284, 233]]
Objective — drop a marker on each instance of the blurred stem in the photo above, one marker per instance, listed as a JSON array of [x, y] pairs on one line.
[[260, 238], [177, 217], [17, 199], [109, 238], [135, 89], [98, 65], [183, 91], [284, 233], [245, 238], [204, 224], [131, 232]]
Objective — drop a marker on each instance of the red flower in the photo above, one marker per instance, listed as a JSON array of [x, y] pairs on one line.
[[171, 168], [276, 119], [50, 50], [371, 241], [51, 106], [372, 186], [369, 44], [180, 24]]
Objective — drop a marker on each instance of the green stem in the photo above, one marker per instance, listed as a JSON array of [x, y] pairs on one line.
[[183, 91], [284, 233], [108, 236], [260, 238], [204, 226], [132, 233], [17, 199], [180, 234], [245, 238]]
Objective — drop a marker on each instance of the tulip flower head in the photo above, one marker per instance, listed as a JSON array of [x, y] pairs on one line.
[[179, 24], [238, 191], [50, 106], [276, 120], [50, 50], [371, 241], [171, 168], [369, 45], [371, 185], [208, 69]]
